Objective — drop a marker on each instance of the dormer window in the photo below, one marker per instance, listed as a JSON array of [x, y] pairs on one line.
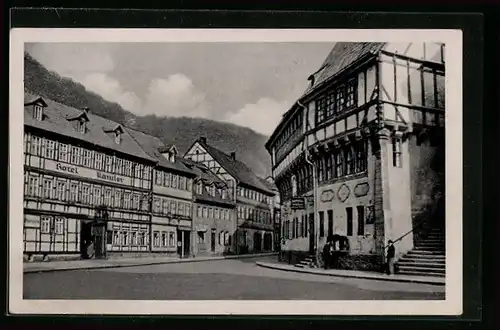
[[118, 136], [82, 126], [38, 112], [38, 105]]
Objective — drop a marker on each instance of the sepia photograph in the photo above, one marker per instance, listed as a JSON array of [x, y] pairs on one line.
[[250, 169]]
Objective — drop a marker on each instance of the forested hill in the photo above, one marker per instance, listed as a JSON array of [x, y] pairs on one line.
[[182, 132]]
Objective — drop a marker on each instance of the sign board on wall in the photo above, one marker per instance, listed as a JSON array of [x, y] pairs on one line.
[[297, 203], [86, 172]]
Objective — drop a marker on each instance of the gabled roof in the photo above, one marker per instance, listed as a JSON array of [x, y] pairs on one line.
[[168, 148], [55, 121], [34, 101], [80, 115], [151, 144], [202, 171], [342, 55], [115, 128], [236, 168]]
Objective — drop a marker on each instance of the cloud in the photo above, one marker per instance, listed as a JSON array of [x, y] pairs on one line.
[[262, 116], [111, 90], [175, 96]]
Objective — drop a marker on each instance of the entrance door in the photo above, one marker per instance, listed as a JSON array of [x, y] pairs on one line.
[[311, 233], [212, 240], [86, 240], [257, 242], [187, 243]]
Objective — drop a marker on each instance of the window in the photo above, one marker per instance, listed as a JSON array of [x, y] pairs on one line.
[[60, 190], [97, 196], [126, 200], [125, 238], [59, 226], [189, 184], [221, 238], [98, 161], [117, 137], [156, 238], [351, 93], [339, 164], [181, 208], [361, 220], [330, 223], [321, 224], [361, 156], [226, 215], [199, 211], [116, 238], [217, 213], [201, 237], [164, 239], [157, 205], [136, 201], [340, 99], [349, 220], [109, 163], [75, 155], [107, 196], [166, 203], [396, 152], [182, 183], [227, 238], [45, 225], [350, 160], [142, 238], [73, 192], [134, 238], [49, 149], [166, 178], [210, 213], [35, 145], [174, 181], [47, 188], [145, 202], [173, 207], [171, 239], [205, 212], [81, 126], [118, 198], [85, 194], [38, 112], [320, 109], [187, 211]]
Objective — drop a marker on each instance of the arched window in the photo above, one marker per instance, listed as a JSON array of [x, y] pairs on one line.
[[294, 185]]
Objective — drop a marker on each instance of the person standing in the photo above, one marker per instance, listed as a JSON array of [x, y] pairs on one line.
[[326, 255], [391, 251]]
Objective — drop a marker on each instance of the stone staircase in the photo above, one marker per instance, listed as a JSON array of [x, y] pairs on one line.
[[307, 262], [428, 257]]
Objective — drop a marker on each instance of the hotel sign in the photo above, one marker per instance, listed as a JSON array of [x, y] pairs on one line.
[[86, 172], [298, 203]]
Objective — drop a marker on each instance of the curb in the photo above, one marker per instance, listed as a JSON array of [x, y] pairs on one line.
[[175, 261], [366, 277]]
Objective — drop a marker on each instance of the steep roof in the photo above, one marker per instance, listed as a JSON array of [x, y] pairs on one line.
[[236, 168], [202, 171], [270, 185], [152, 146], [342, 55], [56, 117]]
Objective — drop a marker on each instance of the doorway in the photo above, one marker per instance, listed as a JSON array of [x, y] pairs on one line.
[[183, 243], [99, 238], [257, 242], [212, 241], [86, 240]]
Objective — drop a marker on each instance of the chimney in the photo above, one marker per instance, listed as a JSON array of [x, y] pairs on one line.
[[233, 155], [203, 139]]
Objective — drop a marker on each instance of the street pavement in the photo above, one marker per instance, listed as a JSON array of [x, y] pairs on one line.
[[232, 279]]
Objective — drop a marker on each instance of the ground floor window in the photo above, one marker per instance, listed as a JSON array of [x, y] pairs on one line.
[[51, 234], [201, 237]]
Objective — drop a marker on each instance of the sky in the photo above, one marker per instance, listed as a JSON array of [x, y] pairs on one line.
[[248, 84]]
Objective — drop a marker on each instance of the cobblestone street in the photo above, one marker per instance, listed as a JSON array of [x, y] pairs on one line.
[[224, 279]]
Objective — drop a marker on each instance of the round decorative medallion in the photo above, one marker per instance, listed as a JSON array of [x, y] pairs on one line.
[[343, 192], [327, 195], [361, 189]]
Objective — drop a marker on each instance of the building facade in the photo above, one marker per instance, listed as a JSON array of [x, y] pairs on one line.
[[79, 167], [214, 223], [254, 227], [361, 154], [172, 198]]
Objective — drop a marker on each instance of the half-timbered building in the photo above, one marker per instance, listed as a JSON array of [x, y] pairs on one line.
[[252, 197], [87, 183], [361, 155], [172, 200], [214, 223]]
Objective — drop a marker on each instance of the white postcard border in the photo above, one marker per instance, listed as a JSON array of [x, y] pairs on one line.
[[452, 305]]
